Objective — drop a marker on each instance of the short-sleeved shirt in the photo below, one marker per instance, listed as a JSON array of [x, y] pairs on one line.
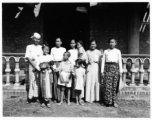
[[57, 53], [65, 66], [33, 51]]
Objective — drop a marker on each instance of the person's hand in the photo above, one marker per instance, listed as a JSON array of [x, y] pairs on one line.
[[120, 74], [32, 59], [102, 74]]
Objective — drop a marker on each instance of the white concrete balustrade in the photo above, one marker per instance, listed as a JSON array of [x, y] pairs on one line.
[[133, 72]]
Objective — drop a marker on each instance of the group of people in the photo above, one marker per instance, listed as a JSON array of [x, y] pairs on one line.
[[62, 74]]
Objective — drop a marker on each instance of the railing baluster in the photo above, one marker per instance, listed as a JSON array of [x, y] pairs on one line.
[[133, 73], [141, 71], [7, 70], [124, 70], [17, 70]]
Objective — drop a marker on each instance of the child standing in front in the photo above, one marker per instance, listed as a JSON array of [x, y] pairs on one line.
[[65, 82], [79, 81]]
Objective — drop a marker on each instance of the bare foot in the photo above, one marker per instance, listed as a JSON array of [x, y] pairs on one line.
[[77, 103], [115, 105], [42, 105], [60, 103], [81, 103], [69, 103]]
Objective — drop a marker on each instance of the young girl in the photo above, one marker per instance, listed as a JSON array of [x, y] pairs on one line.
[[73, 51], [74, 55], [81, 52], [46, 75], [110, 70], [79, 81], [65, 70]]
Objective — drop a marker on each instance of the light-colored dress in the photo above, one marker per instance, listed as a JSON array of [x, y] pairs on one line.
[[79, 73], [32, 52], [46, 77], [92, 91], [65, 68]]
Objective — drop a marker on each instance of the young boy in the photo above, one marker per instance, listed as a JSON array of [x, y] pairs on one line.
[[65, 80], [57, 54]]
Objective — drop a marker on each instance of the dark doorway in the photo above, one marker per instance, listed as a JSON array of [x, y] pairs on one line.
[[65, 21]]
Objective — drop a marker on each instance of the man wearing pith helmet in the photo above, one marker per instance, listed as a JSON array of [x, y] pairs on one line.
[[32, 52]]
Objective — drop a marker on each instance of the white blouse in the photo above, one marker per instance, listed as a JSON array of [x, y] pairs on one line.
[[43, 58], [74, 55], [57, 53], [112, 55]]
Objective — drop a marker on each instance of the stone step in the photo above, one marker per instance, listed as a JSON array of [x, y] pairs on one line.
[[127, 93]]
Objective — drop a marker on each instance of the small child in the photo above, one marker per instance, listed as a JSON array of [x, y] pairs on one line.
[[65, 81], [79, 81], [81, 52], [46, 76]]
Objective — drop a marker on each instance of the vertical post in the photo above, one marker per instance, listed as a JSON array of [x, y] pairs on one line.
[[141, 71], [133, 73], [124, 70], [149, 74], [7, 70], [134, 15], [17, 70]]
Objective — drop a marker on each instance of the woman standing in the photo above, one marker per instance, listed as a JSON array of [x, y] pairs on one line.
[[74, 55], [110, 70], [32, 52], [92, 78]]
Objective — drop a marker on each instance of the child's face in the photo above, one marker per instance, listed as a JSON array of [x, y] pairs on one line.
[[73, 44], [58, 42], [46, 50], [78, 45], [112, 43], [65, 56]]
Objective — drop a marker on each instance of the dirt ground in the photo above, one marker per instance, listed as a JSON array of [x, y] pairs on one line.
[[16, 107]]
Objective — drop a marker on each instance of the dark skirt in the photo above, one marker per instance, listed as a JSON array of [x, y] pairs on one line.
[[56, 87], [110, 83]]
